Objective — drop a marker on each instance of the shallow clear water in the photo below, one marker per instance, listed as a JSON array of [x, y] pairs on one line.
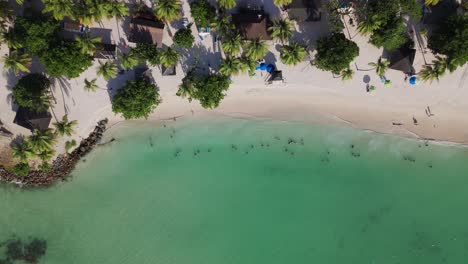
[[240, 191]]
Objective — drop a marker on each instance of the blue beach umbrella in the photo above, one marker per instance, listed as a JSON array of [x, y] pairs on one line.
[[263, 66], [270, 68], [413, 79]]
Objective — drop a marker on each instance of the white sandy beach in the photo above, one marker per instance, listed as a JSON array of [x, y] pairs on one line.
[[308, 94]]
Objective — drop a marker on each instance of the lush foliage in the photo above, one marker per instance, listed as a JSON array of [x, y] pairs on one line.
[[17, 63], [167, 10], [256, 49], [209, 90], [438, 68], [281, 30], [168, 57], [146, 53], [22, 151], [380, 66], [281, 3], [136, 99], [87, 44], [184, 38], [65, 127], [451, 40], [65, 58], [32, 92], [232, 45], [390, 35], [129, 60], [347, 74], [224, 26], [203, 13], [230, 66], [35, 33], [383, 20], [90, 86], [226, 4], [42, 140], [59, 8], [107, 70], [21, 169], [335, 53], [292, 54]]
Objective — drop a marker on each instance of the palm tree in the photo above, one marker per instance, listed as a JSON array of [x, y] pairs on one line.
[[65, 127], [230, 66], [87, 44], [46, 154], [347, 74], [292, 54], [381, 66], [98, 9], [256, 49], [444, 63], [90, 86], [59, 8], [368, 25], [280, 3], [6, 15], [107, 70], [227, 4], [10, 38], [167, 11], [281, 30], [431, 2], [249, 65], [42, 140], [118, 10], [22, 151], [169, 57], [232, 45], [17, 62], [224, 26], [429, 73], [128, 61], [187, 88]]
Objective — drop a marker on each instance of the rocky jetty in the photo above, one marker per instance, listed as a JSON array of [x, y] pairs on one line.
[[62, 166]]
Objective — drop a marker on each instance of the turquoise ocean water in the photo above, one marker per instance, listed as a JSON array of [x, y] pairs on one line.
[[241, 191]]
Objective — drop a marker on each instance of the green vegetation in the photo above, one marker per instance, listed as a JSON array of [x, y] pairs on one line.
[[9, 37], [439, 66], [281, 3], [90, 86], [281, 30], [107, 70], [32, 92], [335, 53], [292, 54], [65, 59], [203, 13], [380, 66], [146, 53], [224, 26], [136, 99], [87, 44], [226, 4], [65, 127], [383, 21], [59, 8], [129, 60], [209, 90], [69, 145], [184, 38], [230, 66], [36, 33], [256, 49], [334, 17], [347, 74], [42, 140], [232, 45], [21, 169], [451, 40], [169, 57], [167, 10], [17, 63], [22, 151]]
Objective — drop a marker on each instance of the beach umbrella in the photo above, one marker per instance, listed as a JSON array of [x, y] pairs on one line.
[[270, 68], [413, 79], [263, 66]]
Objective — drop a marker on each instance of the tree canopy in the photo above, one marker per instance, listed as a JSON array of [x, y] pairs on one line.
[[335, 53], [184, 38], [451, 39], [203, 13], [146, 52], [65, 58], [35, 33], [209, 90], [136, 99], [32, 92]]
